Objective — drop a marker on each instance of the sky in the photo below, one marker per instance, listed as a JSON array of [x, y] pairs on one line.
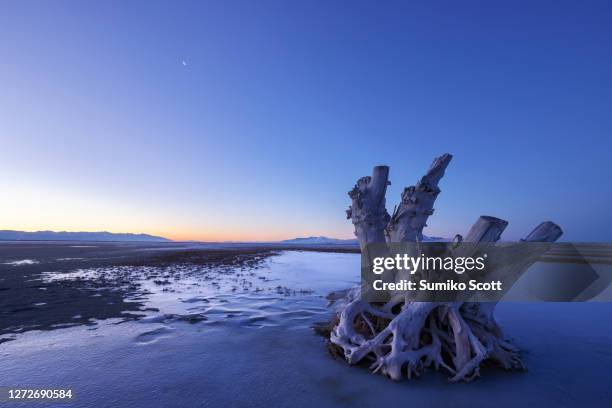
[[244, 120]]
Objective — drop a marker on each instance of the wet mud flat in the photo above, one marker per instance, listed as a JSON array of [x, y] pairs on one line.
[[50, 285]]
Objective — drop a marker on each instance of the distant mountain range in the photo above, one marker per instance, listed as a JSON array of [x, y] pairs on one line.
[[320, 241], [8, 235], [335, 241]]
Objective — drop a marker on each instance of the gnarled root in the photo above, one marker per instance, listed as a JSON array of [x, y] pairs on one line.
[[403, 337], [454, 337]]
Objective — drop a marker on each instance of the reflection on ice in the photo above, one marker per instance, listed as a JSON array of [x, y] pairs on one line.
[[288, 286], [21, 262]]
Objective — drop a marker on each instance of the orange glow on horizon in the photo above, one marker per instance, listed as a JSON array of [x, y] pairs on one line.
[[191, 235], [243, 236]]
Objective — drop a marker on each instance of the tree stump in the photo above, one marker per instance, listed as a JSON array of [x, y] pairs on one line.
[[401, 337]]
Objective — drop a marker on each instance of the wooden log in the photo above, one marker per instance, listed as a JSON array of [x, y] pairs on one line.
[[410, 217], [486, 229], [547, 231], [367, 210]]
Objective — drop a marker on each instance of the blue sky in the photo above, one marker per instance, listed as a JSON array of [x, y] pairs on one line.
[[282, 105]]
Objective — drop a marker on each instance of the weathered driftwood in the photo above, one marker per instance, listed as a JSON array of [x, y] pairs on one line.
[[402, 337], [410, 217], [368, 211]]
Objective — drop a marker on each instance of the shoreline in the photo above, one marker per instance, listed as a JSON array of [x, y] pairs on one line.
[[30, 301]]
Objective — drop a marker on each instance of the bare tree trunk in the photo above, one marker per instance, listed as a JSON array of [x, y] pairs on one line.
[[410, 217], [402, 337], [368, 211]]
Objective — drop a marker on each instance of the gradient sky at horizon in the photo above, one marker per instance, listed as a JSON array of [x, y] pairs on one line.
[[280, 106]]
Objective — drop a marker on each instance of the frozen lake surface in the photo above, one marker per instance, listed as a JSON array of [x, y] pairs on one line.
[[244, 339]]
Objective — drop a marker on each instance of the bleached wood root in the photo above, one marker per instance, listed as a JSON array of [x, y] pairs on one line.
[[444, 336], [401, 338]]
